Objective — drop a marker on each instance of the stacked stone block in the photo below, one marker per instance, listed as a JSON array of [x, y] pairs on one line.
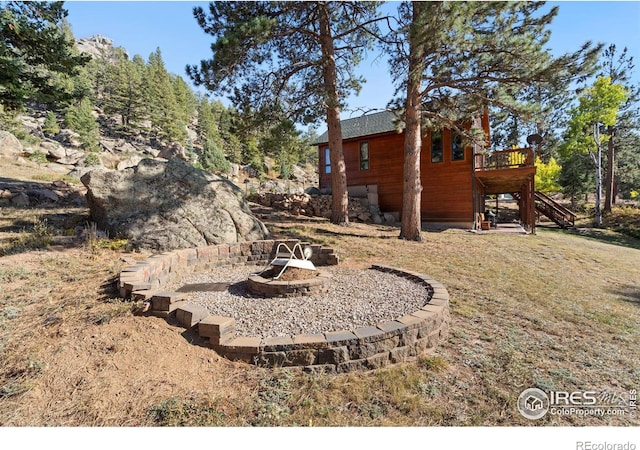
[[218, 329]]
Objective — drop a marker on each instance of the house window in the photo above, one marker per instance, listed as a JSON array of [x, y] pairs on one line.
[[327, 161], [364, 156], [457, 148], [436, 146]]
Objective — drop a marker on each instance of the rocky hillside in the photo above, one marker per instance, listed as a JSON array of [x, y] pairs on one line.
[[27, 141]]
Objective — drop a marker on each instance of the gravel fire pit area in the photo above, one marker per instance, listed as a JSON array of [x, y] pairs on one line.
[[362, 319], [354, 299]]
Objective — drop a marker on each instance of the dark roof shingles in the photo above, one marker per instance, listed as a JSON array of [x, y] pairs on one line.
[[380, 122]]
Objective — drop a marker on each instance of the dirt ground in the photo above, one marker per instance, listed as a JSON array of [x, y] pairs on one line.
[[74, 354]]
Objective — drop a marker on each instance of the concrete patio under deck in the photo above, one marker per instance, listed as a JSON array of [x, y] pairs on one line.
[[504, 228]]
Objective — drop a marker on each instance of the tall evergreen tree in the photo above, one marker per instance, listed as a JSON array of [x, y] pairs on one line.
[[213, 157], [283, 142], [628, 157], [35, 51], [207, 122], [452, 59], [299, 56], [80, 119], [576, 177], [124, 90], [162, 107], [185, 99]]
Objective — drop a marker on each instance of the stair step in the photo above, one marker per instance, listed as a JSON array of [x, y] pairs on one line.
[[551, 209]]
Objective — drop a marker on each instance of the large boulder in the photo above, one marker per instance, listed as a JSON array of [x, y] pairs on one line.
[[9, 144], [174, 151], [167, 205], [53, 149], [69, 138]]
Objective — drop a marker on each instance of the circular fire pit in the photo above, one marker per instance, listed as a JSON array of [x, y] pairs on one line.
[[303, 283], [290, 274]]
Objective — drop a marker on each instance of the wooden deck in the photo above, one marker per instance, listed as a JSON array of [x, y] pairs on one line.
[[508, 172], [505, 172]]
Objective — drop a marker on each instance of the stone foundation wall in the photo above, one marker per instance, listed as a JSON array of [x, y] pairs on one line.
[[372, 347], [361, 209]]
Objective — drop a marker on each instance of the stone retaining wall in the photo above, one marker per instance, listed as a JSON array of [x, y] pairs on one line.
[[159, 270], [372, 347]]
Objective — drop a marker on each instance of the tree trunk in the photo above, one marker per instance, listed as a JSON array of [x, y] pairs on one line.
[[411, 226], [609, 196], [598, 161], [339, 195]]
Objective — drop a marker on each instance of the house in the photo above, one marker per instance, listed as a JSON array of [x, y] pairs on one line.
[[456, 179]]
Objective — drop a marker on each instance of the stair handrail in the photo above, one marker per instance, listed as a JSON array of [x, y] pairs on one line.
[[567, 214]]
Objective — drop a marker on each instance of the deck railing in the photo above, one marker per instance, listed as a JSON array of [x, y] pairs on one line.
[[505, 159]]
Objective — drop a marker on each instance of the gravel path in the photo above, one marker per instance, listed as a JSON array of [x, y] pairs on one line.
[[356, 298]]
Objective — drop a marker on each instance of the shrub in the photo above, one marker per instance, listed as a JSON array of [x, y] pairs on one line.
[[51, 127], [92, 159], [213, 158], [39, 157]]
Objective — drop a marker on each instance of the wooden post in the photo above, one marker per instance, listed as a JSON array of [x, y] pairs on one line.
[[532, 190]]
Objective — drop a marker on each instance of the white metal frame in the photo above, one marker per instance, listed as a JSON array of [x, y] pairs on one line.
[[289, 258]]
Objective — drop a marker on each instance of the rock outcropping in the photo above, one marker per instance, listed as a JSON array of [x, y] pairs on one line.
[[170, 205], [9, 144], [99, 46]]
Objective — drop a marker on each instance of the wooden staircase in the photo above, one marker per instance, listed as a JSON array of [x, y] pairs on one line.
[[547, 206]]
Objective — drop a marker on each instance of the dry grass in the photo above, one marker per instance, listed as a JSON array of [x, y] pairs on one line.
[[557, 310]]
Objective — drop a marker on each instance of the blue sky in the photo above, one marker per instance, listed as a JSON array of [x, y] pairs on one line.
[[142, 26]]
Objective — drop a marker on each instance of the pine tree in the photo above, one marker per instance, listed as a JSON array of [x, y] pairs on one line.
[[576, 177], [123, 90], [80, 119], [453, 59], [50, 126], [628, 157], [35, 53], [185, 99], [161, 103], [213, 158], [298, 56], [207, 123], [284, 143]]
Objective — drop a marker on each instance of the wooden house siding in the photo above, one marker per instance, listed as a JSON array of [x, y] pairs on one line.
[[447, 186], [385, 167]]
